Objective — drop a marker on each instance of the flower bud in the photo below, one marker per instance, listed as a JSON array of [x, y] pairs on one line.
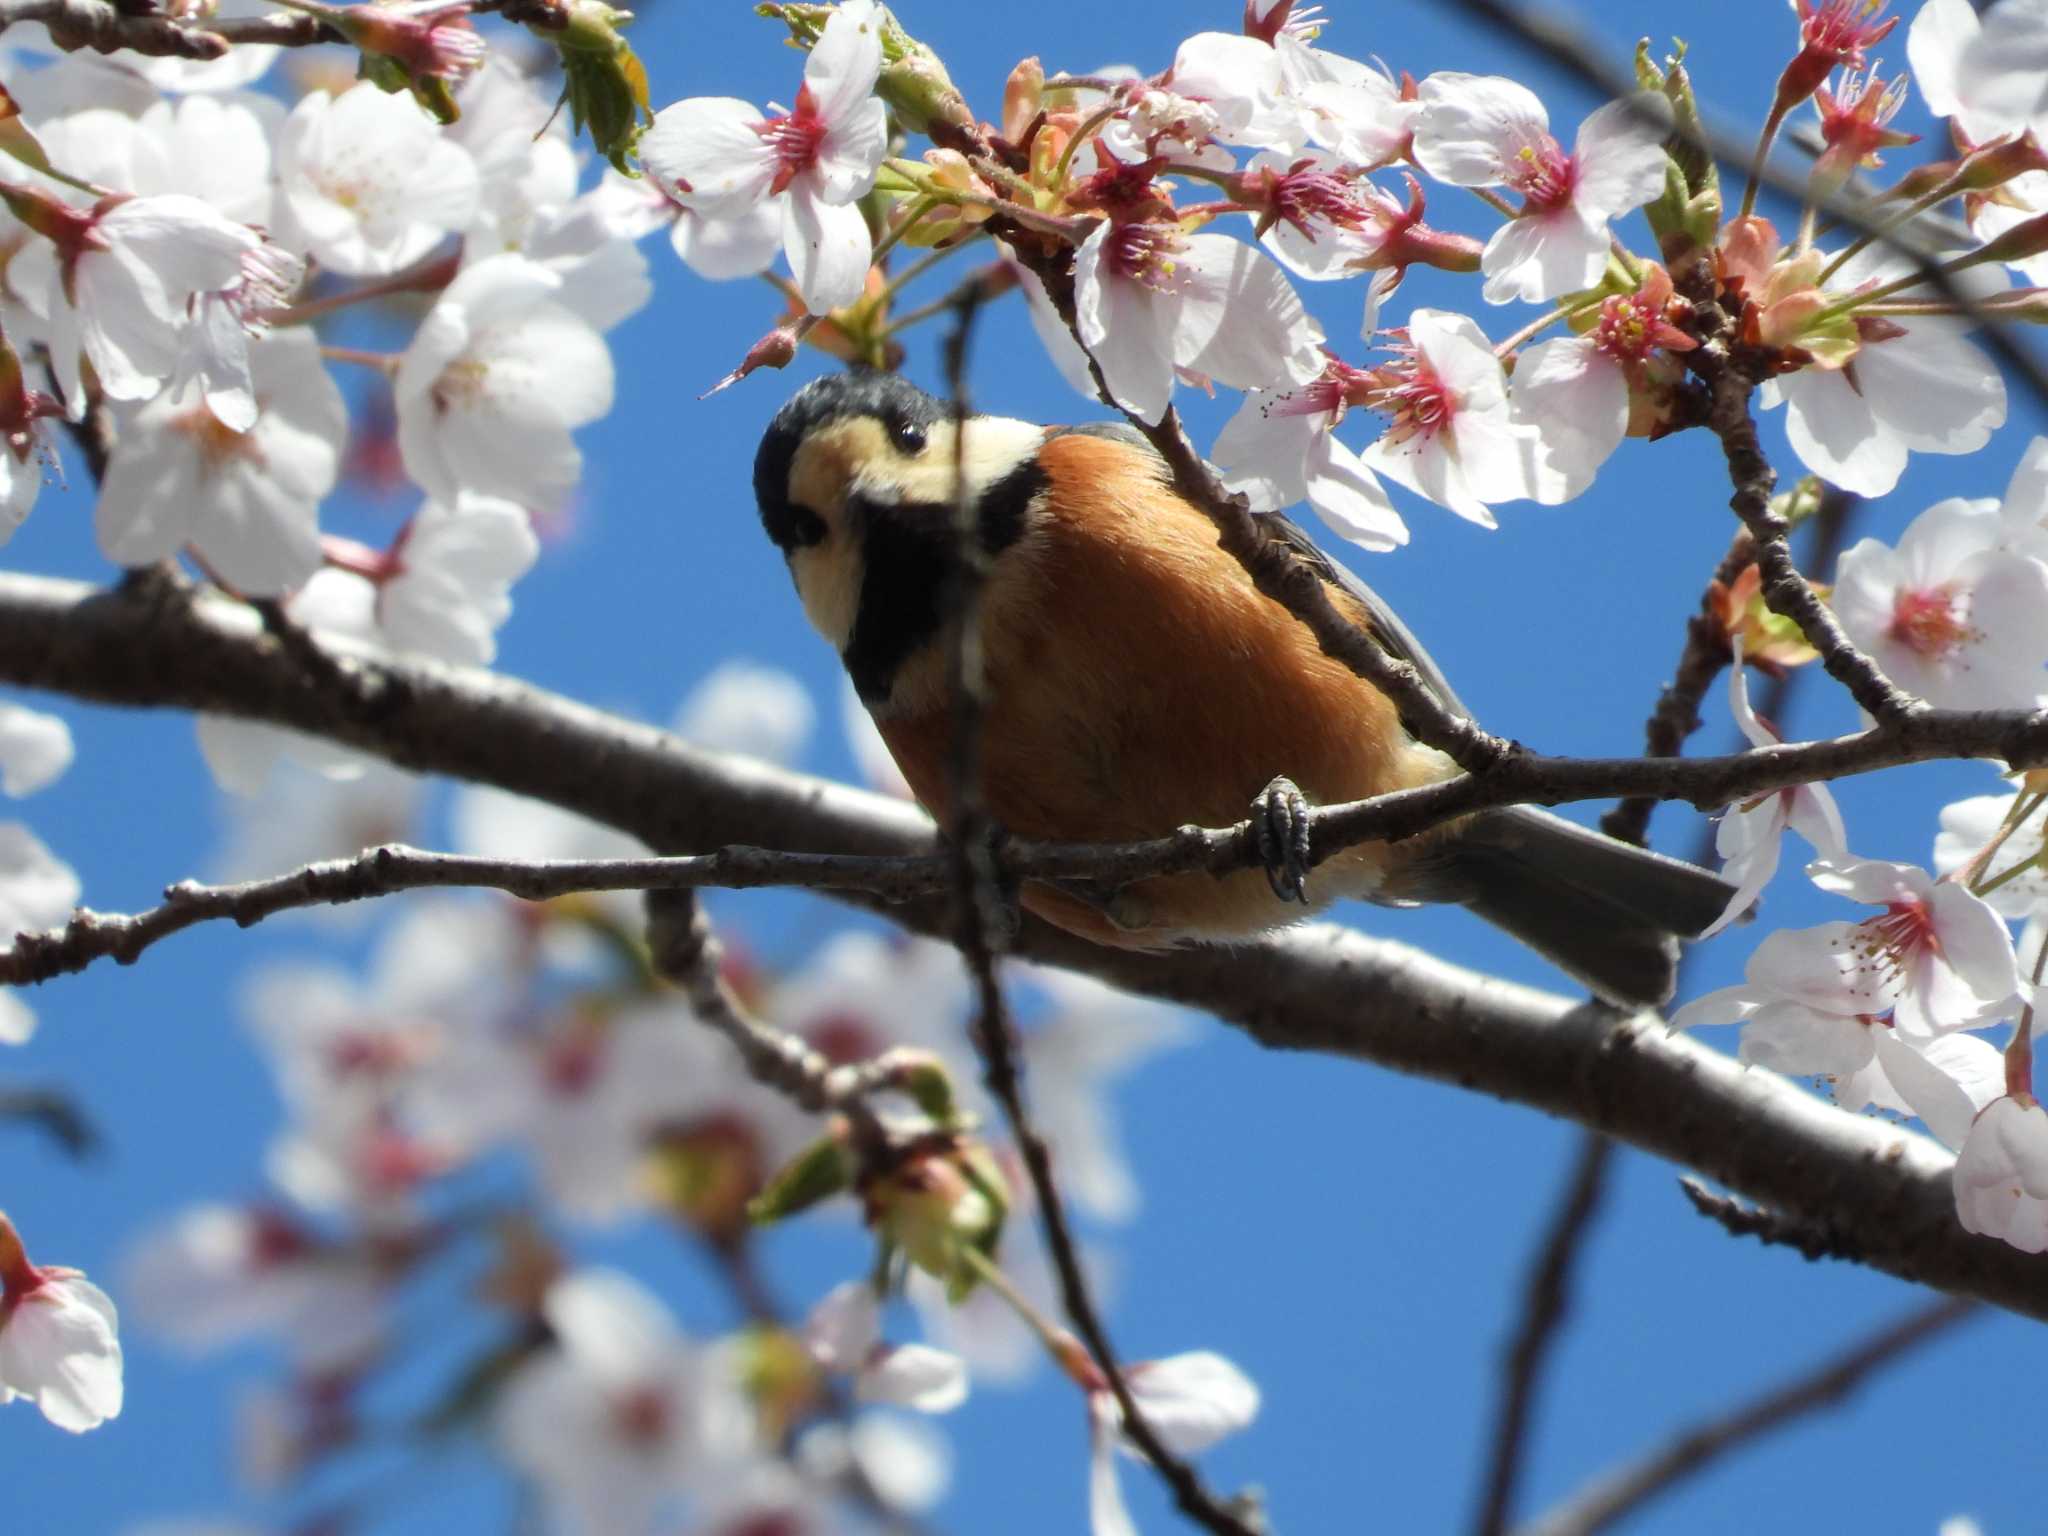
[[943, 1206], [603, 80]]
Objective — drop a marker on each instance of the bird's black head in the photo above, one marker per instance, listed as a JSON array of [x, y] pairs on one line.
[[904, 413], [859, 479]]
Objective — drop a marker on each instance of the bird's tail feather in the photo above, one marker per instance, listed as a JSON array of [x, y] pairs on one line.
[[1607, 913]]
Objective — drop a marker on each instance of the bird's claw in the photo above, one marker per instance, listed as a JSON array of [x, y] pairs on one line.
[[1280, 817]]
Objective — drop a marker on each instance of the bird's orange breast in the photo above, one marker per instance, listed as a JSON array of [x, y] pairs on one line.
[[1139, 681]]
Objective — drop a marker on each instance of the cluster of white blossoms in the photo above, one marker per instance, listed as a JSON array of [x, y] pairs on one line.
[[1889, 1007], [184, 257], [183, 253], [488, 1028]]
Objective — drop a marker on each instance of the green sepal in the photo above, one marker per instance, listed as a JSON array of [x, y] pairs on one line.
[[817, 1173]]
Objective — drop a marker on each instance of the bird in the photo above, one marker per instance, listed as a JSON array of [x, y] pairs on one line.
[[1138, 681]]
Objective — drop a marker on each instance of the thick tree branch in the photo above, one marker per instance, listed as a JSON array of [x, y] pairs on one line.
[[1883, 1191], [154, 643]]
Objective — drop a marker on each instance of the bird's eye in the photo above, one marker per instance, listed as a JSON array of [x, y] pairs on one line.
[[908, 436]]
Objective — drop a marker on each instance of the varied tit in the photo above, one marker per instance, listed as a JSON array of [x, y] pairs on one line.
[[1138, 682]]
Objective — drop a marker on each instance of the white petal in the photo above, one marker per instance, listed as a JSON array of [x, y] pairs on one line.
[[914, 1376], [1576, 400], [829, 250], [1543, 255], [846, 59], [1620, 155], [1471, 123], [705, 154], [35, 749]]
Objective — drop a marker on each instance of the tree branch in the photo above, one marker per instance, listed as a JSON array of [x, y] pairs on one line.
[[1883, 1190], [1731, 378], [105, 27], [1547, 1303], [1692, 1451]]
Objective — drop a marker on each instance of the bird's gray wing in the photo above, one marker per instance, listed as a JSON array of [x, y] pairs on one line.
[[1394, 636]]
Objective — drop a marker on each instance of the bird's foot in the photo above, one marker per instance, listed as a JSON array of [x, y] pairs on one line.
[[1280, 816]]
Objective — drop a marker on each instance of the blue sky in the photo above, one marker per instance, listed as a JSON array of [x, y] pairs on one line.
[[1354, 1240]]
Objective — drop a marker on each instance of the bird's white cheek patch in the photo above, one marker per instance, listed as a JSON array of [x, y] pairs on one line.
[[828, 580]]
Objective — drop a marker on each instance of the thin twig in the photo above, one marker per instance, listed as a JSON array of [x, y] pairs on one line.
[[1608, 1499], [1813, 1240], [56, 1114], [982, 925], [107, 27], [1546, 1304], [1705, 654], [1677, 714], [685, 951], [1731, 378]]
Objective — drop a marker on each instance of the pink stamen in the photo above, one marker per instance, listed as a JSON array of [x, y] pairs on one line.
[[1542, 172], [796, 137], [1417, 403], [1929, 622], [1147, 253]]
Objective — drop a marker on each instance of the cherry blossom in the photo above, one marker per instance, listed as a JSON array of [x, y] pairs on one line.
[[37, 889], [1575, 392], [1484, 131], [905, 1460], [1994, 68], [1239, 79], [215, 1274], [1819, 1001], [242, 65], [1748, 836], [248, 501], [370, 182], [1149, 299], [582, 1090], [499, 374], [1968, 827], [722, 159], [1281, 448], [1191, 1401], [1913, 385], [2023, 198], [1093, 1034], [1951, 614], [444, 590], [1945, 949], [844, 1335], [1323, 220], [749, 708], [35, 749], [59, 1345], [610, 1421], [1451, 435], [1351, 109], [2001, 1177], [116, 285]]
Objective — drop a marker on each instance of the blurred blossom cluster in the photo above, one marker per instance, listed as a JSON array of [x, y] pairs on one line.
[[488, 1030], [193, 256]]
